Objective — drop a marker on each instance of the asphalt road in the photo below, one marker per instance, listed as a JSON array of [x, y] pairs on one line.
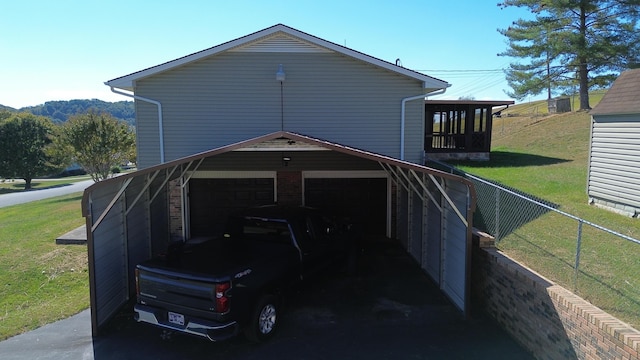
[[34, 195]]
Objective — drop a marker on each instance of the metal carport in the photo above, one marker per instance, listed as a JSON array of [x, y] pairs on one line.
[[127, 217]]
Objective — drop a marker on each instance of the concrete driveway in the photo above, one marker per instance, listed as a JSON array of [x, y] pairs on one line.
[[388, 310]]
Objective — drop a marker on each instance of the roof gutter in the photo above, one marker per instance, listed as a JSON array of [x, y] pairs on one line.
[[158, 104], [402, 114]]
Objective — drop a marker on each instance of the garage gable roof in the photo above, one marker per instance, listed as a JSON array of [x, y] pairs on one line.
[[263, 143], [623, 98], [278, 38]]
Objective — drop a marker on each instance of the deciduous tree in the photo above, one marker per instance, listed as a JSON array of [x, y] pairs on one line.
[[25, 142], [98, 142], [569, 44]]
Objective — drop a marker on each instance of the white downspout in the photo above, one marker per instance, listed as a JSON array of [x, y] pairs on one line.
[[402, 114], [159, 105]]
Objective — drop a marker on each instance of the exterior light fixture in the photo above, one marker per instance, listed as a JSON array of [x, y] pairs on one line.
[[280, 75], [285, 160]]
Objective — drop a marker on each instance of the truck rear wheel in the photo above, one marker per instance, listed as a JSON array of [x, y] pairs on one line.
[[264, 320]]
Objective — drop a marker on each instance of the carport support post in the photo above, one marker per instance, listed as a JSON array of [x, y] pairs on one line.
[[425, 228]]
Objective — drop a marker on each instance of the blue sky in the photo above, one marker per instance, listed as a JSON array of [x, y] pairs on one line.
[[67, 49]]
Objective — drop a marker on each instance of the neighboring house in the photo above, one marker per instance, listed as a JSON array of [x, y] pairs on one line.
[[614, 155], [277, 116]]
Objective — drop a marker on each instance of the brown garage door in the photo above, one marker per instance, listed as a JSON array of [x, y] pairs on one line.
[[363, 201], [212, 200]]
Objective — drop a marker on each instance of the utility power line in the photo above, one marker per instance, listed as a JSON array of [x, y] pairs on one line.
[[469, 82], [464, 71]]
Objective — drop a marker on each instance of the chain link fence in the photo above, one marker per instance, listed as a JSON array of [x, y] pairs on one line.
[[599, 264]]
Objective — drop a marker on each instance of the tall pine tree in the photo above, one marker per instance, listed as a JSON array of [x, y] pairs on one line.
[[569, 44]]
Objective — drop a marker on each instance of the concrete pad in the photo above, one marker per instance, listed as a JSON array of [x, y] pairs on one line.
[[76, 236]]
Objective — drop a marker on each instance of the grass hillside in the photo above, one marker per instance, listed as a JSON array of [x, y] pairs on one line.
[[544, 155], [547, 156]]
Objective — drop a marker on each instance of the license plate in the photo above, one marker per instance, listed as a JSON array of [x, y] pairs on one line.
[[175, 318]]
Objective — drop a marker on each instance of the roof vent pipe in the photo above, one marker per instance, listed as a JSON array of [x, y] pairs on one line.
[[402, 114], [160, 125]]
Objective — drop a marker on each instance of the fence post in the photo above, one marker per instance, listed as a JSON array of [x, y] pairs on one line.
[[497, 229], [578, 245]]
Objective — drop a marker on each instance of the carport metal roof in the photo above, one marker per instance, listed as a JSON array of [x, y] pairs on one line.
[[408, 175], [278, 141]]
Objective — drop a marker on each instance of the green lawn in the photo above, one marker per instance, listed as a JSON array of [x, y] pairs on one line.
[[547, 157], [40, 282]]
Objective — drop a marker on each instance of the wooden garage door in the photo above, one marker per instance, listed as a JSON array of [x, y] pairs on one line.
[[363, 201], [212, 200]]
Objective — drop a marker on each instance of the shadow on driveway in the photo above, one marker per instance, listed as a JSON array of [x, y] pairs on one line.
[[389, 310]]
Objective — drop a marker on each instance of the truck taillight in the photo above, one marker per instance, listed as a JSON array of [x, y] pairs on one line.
[[222, 301]]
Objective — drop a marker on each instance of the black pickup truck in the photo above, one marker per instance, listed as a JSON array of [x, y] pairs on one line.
[[233, 283]]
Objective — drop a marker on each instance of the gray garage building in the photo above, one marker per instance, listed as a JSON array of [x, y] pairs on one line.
[[614, 168], [277, 116]]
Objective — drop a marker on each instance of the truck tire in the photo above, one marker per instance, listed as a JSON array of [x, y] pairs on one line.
[[264, 320]]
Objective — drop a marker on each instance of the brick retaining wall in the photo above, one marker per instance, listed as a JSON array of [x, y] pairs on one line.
[[545, 318]]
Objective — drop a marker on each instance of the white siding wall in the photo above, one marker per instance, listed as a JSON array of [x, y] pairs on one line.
[[234, 96], [614, 164]]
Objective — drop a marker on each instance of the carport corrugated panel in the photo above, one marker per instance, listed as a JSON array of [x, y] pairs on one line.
[[417, 216], [433, 234], [454, 279], [138, 237], [158, 217], [402, 216], [109, 254]]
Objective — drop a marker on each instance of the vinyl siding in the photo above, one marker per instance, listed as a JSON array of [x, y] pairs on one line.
[[614, 165], [234, 96]]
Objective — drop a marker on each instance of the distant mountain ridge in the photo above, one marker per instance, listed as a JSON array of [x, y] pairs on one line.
[[59, 111]]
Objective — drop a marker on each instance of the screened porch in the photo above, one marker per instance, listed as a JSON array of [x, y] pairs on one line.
[[460, 129]]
